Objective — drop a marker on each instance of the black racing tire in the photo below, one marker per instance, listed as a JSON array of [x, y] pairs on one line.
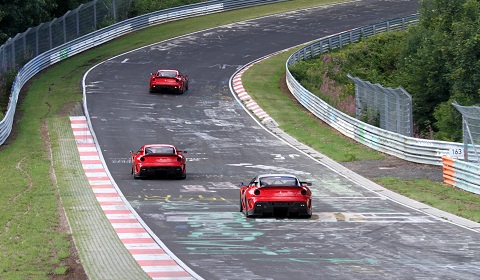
[[246, 210], [135, 175], [183, 175]]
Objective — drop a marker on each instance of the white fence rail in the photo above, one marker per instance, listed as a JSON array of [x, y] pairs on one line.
[[461, 174], [408, 148], [457, 172], [106, 34], [404, 147]]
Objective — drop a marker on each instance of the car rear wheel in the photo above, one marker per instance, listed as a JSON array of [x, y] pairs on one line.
[[183, 175], [135, 175], [245, 210]]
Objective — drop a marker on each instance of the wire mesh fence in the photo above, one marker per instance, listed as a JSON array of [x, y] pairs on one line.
[[74, 24], [387, 108], [471, 131], [86, 26]]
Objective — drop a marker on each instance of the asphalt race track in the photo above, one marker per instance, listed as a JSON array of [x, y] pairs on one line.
[[353, 234]]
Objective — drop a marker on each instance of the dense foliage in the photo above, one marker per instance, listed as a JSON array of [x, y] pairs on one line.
[[140, 7], [437, 62], [6, 82], [371, 59], [16, 16]]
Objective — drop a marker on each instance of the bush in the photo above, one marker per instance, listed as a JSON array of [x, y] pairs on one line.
[[373, 59], [140, 7], [6, 82]]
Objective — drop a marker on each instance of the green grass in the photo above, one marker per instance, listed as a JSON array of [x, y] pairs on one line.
[[32, 242], [263, 81], [442, 196]]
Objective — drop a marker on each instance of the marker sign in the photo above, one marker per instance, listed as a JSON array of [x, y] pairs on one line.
[[456, 153]]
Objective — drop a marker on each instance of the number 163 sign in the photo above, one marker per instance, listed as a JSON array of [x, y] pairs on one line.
[[456, 153]]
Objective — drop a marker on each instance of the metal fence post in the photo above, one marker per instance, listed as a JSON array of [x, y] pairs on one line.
[[465, 138], [50, 35], [13, 53], [95, 23], [77, 21], [65, 27], [114, 4]]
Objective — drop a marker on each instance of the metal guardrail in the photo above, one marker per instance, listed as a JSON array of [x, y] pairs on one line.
[[84, 19], [408, 148], [461, 174], [456, 172], [109, 33]]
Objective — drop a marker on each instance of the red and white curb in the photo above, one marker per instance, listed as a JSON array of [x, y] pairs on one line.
[[246, 98], [148, 254]]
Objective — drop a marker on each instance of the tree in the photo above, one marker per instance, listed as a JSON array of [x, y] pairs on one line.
[[16, 16], [441, 64], [140, 7]]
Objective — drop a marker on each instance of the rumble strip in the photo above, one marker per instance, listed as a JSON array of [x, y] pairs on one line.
[[148, 254]]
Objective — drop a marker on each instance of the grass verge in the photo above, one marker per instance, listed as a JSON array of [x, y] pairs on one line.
[[264, 82], [34, 241]]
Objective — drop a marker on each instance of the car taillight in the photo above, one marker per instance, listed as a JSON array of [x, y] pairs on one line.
[[142, 159], [179, 159], [256, 192], [304, 192]]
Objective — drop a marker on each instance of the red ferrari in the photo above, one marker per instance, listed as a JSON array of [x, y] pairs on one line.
[[158, 159], [168, 80], [276, 195]]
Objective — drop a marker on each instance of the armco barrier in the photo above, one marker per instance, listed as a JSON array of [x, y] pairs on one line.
[[404, 147], [106, 34], [461, 174], [408, 148], [456, 172]]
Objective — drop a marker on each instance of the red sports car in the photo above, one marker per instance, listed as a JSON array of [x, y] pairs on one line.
[[158, 159], [276, 195], [168, 80]]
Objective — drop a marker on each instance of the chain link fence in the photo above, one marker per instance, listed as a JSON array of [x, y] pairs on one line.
[[387, 108], [89, 18], [74, 24], [471, 131]]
